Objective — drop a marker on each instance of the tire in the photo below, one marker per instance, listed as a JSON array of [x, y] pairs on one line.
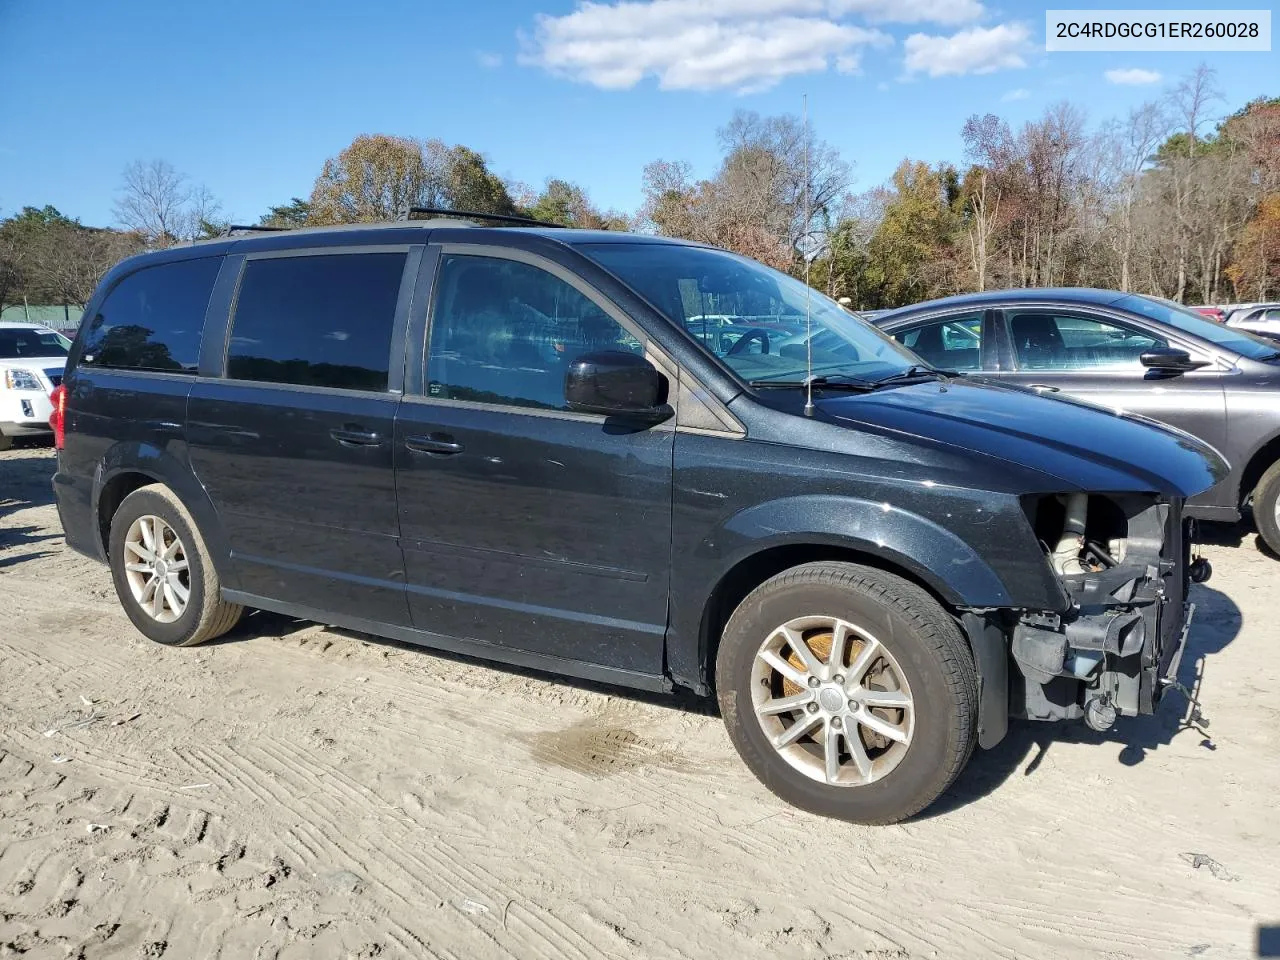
[[1266, 501], [204, 615], [917, 655]]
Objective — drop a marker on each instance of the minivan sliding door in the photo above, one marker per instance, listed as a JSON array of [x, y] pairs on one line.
[[293, 440]]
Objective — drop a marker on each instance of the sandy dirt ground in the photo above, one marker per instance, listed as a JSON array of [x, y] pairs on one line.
[[297, 791]]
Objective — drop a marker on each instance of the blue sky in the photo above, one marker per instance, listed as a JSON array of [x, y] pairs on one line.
[[249, 98]]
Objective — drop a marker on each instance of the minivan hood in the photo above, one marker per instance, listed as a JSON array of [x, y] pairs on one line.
[[1085, 446]]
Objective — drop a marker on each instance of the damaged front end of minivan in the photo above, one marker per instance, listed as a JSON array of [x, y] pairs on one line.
[[1125, 566]]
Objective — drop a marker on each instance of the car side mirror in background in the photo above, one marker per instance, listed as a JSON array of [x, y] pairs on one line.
[[1171, 360], [616, 384]]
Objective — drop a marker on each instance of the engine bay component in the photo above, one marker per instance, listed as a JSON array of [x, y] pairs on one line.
[[1066, 555], [1201, 570], [1124, 565], [1100, 714]]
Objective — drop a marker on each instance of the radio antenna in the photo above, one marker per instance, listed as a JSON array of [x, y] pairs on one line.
[[804, 238]]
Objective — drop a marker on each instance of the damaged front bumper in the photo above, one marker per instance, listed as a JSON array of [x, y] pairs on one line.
[[1125, 569], [1127, 621]]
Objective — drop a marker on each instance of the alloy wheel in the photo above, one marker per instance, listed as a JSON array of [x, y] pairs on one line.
[[155, 563], [832, 700]]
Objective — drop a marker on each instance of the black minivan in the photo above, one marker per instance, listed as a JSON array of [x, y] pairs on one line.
[[594, 454]]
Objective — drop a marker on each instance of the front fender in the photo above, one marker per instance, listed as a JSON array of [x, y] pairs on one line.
[[167, 466], [933, 554], [921, 547]]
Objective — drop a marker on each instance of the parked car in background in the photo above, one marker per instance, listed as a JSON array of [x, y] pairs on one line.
[[1262, 319], [31, 365], [1138, 354], [1236, 311], [365, 426], [1213, 313]]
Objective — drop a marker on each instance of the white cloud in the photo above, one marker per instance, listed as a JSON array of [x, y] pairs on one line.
[[1020, 94], [490, 61], [1133, 76], [850, 63], [910, 11], [976, 50], [710, 44]]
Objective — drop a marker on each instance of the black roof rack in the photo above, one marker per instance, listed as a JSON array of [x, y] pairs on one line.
[[246, 228], [476, 215]]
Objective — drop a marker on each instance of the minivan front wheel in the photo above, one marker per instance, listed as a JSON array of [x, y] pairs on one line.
[[848, 691], [163, 575]]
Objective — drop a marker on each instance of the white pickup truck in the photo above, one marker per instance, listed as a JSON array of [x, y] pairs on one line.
[[32, 359]]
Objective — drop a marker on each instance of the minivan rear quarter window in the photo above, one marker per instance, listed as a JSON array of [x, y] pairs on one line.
[[320, 320], [152, 319]]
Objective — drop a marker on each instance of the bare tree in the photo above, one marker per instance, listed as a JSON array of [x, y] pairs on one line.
[[1053, 150], [203, 214], [154, 199], [1190, 102], [1131, 146], [983, 209], [66, 261], [764, 172], [670, 195]]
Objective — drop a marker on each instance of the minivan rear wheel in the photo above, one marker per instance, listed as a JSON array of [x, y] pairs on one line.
[[848, 691], [163, 575], [1266, 507]]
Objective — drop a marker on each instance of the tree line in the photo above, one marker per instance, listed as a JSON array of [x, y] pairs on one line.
[[1172, 199], [1164, 201]]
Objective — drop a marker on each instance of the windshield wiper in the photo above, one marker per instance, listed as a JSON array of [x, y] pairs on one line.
[[917, 372], [837, 381], [844, 381]]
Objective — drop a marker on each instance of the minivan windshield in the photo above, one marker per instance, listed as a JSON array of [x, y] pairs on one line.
[[20, 343], [1188, 321], [752, 317]]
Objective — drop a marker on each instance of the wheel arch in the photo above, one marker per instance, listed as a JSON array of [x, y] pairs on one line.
[[1259, 461], [755, 568], [130, 466]]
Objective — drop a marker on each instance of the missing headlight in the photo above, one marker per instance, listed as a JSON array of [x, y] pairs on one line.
[[1083, 533]]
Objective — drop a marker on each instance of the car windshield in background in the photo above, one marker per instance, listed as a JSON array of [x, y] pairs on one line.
[[750, 316], [21, 344], [1231, 338]]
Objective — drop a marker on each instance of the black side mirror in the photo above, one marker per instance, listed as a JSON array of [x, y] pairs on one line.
[[616, 384], [1171, 360]]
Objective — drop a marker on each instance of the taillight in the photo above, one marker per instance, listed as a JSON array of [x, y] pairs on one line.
[[58, 419]]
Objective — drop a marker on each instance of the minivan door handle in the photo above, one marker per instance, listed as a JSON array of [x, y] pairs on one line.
[[357, 438], [438, 445], [1044, 386]]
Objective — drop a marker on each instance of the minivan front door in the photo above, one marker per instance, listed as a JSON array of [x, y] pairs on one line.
[[294, 443], [524, 524]]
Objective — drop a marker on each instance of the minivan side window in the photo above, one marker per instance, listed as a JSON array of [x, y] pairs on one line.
[[152, 319], [953, 343], [505, 332], [316, 320]]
